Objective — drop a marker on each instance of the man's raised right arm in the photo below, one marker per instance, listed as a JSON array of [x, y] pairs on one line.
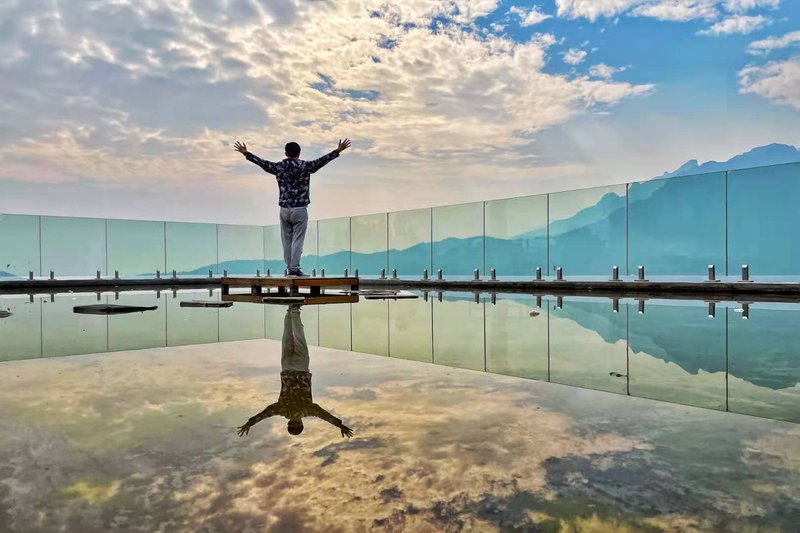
[[268, 166]]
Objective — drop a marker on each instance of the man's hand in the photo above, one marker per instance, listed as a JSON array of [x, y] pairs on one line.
[[240, 147], [243, 430], [343, 145], [346, 431]]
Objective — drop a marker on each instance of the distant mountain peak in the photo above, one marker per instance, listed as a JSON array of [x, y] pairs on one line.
[[770, 154]]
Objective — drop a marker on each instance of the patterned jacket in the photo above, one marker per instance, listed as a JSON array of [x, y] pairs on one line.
[[293, 176]]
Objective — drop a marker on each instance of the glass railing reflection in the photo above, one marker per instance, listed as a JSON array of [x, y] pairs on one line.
[[739, 357]]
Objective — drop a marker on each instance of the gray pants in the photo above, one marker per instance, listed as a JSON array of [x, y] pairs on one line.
[[294, 221], [294, 350]]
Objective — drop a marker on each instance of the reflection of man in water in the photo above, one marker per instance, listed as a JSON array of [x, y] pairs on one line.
[[295, 400]]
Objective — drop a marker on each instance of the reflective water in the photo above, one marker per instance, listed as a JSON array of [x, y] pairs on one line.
[[147, 439]]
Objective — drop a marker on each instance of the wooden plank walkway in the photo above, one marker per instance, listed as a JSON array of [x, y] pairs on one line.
[[288, 286]]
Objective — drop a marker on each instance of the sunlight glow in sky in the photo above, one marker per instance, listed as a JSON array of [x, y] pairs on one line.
[[128, 109]]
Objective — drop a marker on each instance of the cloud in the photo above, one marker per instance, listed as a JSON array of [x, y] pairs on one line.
[[740, 6], [743, 24], [674, 10], [601, 70], [769, 44], [529, 17], [678, 10], [593, 9], [778, 81], [573, 56], [155, 90]]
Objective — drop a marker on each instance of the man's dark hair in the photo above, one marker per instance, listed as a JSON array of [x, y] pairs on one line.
[[295, 427], [293, 149]]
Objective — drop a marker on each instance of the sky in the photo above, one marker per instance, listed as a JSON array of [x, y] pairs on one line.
[[129, 109]]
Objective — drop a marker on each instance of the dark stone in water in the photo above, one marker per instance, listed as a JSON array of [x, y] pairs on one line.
[[111, 309]]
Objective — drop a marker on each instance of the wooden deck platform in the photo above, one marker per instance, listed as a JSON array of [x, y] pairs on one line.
[[289, 286], [305, 290], [300, 298]]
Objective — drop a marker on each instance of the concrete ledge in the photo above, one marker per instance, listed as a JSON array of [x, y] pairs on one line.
[[103, 285], [753, 292], [619, 289]]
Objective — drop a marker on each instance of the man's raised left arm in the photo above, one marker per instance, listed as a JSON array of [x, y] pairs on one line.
[[317, 164]]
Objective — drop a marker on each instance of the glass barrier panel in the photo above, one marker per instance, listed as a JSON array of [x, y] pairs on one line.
[[73, 247], [191, 249], [458, 240], [763, 220], [371, 327], [65, 332], [138, 331], [273, 250], [516, 237], [676, 227], [764, 355], [335, 326], [19, 246], [242, 321], [334, 245], [588, 345], [587, 232], [517, 337], [370, 245], [458, 331], [190, 325], [136, 248], [677, 353], [310, 258], [241, 250], [410, 333], [410, 243], [21, 331]]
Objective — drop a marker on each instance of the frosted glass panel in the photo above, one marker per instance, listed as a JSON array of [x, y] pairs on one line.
[[241, 321], [764, 358], [587, 231], [458, 239], [677, 226], [191, 248], [458, 332], [138, 331], [516, 236], [410, 242], [19, 246], [763, 221], [334, 245], [516, 337], [334, 326], [588, 344], [410, 334], [136, 248], [67, 333], [73, 247], [241, 249], [20, 332], [371, 327], [677, 353], [191, 325], [369, 244], [273, 250]]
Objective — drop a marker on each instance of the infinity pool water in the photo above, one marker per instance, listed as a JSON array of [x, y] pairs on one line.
[[145, 439]]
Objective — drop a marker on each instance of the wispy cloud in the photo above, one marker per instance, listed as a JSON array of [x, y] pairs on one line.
[[742, 24], [778, 81], [574, 56], [769, 44], [529, 17]]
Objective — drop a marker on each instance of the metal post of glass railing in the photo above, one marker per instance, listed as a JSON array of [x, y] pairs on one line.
[[559, 274], [615, 273], [641, 276], [493, 274], [538, 273]]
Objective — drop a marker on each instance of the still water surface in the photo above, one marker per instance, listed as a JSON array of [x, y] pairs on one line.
[[146, 439]]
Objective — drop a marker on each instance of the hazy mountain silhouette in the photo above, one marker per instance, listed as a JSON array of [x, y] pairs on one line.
[[771, 154], [4, 274]]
